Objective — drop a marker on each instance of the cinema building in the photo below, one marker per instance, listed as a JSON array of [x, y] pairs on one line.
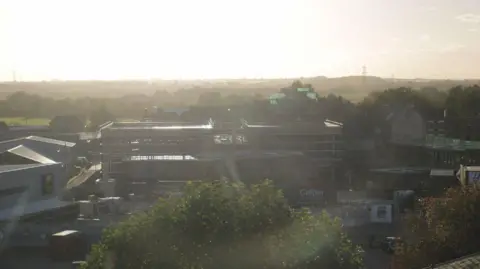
[[300, 155]]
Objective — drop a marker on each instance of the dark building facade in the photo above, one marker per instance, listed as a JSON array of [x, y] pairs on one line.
[[302, 154]]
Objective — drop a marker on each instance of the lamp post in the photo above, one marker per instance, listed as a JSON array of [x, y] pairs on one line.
[[232, 160]]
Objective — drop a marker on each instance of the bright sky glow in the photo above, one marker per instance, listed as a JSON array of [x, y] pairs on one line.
[[175, 39]]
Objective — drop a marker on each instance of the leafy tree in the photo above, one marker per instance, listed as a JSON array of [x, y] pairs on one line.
[[210, 98], [100, 116], [444, 229], [300, 92], [226, 225], [461, 102]]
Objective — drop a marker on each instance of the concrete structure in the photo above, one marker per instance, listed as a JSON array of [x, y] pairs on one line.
[[30, 188], [407, 126], [302, 153], [397, 145], [12, 132], [468, 175], [33, 171], [356, 213], [409, 153]]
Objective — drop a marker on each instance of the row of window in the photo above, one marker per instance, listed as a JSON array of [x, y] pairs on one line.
[[455, 158], [222, 138]]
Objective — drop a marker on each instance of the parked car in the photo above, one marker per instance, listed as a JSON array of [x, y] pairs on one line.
[[389, 244]]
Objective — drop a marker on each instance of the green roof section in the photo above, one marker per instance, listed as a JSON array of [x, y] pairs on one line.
[[275, 97], [312, 95], [442, 142]]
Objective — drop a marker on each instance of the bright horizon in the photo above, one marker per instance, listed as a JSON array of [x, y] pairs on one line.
[[187, 39]]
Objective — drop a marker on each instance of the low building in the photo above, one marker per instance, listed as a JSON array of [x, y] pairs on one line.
[[23, 155], [30, 188], [304, 155], [394, 148], [52, 149], [12, 132]]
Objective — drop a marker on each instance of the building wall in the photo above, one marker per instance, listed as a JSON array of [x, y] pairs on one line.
[[408, 127], [322, 144], [13, 134], [167, 170], [30, 180]]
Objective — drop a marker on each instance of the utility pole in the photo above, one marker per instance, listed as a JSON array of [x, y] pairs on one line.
[[364, 70], [232, 162]]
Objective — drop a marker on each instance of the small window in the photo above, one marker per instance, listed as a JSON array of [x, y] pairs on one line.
[[47, 184], [382, 212]]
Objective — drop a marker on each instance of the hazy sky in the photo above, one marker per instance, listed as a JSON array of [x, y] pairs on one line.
[[103, 39]]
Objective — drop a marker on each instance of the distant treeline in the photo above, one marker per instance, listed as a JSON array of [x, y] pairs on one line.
[[187, 92], [459, 101]]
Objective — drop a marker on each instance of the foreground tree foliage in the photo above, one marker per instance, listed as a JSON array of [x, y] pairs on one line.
[[226, 225], [446, 229]]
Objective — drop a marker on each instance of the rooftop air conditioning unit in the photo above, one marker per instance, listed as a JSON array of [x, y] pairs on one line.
[[87, 209]]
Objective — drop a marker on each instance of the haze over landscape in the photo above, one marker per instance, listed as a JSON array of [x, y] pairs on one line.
[[148, 127], [186, 39]]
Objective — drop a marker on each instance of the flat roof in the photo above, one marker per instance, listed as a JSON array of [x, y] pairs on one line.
[[29, 128], [333, 124], [17, 167], [65, 233], [442, 172], [41, 140], [210, 125], [240, 154], [32, 208], [402, 170], [30, 154], [148, 125], [160, 158], [327, 123]]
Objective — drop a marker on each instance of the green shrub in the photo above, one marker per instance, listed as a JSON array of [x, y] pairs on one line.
[[226, 225]]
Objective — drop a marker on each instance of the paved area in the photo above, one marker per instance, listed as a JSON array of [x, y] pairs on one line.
[[374, 258], [38, 258], [30, 258], [377, 259]]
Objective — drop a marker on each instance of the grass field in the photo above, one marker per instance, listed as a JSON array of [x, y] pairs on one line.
[[22, 121]]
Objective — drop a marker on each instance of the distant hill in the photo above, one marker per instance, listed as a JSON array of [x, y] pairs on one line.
[[350, 87]]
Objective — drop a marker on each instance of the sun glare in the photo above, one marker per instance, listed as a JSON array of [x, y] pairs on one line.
[[163, 39]]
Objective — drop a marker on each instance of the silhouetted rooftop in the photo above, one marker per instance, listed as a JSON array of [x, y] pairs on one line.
[[216, 125], [216, 156], [150, 125], [17, 167], [29, 154]]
